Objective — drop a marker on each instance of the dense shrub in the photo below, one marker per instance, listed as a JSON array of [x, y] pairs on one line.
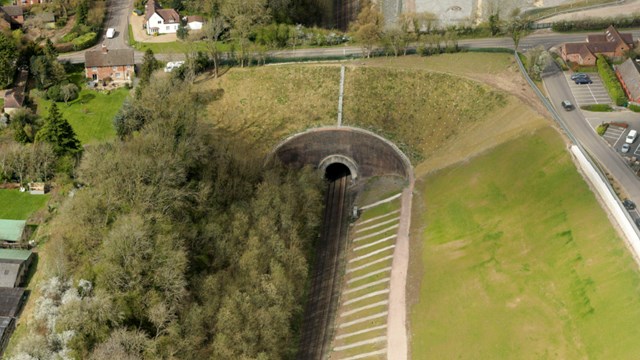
[[68, 37], [597, 107], [611, 81], [597, 24], [63, 48], [85, 41], [602, 128], [634, 108]]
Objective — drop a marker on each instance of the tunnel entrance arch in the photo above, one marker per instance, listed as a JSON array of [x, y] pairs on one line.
[[365, 153], [345, 161]]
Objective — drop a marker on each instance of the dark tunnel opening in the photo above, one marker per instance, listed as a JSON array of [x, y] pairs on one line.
[[336, 171]]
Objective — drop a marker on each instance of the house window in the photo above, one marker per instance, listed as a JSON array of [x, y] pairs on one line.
[[118, 75], [115, 68], [94, 69], [168, 27], [159, 21]]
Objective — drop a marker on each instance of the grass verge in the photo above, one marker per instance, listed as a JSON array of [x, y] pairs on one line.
[[518, 260]]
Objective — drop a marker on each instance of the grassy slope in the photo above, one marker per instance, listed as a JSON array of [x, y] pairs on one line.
[[15, 205], [519, 261], [268, 104]]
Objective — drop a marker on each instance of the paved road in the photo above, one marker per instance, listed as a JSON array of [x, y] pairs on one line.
[[558, 89]]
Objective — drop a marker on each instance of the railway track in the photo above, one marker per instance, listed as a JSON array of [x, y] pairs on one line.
[[317, 328]]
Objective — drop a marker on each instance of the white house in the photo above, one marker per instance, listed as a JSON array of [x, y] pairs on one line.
[[160, 21], [194, 22]]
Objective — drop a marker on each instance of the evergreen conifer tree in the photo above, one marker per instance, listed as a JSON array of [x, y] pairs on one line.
[[59, 133]]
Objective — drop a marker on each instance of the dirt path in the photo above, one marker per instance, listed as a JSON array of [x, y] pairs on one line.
[[397, 339]]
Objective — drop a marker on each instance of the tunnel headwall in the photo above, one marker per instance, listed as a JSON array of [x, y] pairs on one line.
[[363, 152]]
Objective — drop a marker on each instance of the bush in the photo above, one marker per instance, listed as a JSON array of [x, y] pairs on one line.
[[68, 37], [610, 81], [634, 108], [85, 41], [53, 93], [602, 128], [57, 92], [64, 48], [597, 107]]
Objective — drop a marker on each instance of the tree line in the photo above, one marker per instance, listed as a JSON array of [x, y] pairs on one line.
[[179, 243]]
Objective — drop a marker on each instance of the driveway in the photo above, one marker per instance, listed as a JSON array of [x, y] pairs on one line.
[[558, 89], [588, 94], [139, 34], [117, 18]]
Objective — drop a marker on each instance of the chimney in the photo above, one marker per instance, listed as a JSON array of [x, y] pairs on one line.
[[104, 49]]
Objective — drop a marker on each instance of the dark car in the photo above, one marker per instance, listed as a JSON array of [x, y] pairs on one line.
[[583, 80], [567, 105], [579, 75], [628, 204]]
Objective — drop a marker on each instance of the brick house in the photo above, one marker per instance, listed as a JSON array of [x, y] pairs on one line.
[[612, 44], [629, 77], [159, 20], [116, 64], [11, 15]]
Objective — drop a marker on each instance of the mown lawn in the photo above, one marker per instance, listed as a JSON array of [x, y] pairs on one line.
[[518, 261], [15, 205], [91, 114]]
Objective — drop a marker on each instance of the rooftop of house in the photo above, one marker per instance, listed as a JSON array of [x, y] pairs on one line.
[[194, 18], [9, 272], [11, 230], [630, 74], [12, 10], [169, 16], [105, 57], [598, 43]]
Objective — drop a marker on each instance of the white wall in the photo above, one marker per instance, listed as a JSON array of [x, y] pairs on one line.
[[156, 21]]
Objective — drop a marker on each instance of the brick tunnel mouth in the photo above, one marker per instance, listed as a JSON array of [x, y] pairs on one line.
[[336, 171]]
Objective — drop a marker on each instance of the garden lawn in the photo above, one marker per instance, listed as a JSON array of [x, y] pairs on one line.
[[519, 261], [91, 115], [15, 205]]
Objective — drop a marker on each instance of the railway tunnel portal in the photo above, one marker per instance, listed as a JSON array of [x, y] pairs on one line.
[[342, 155], [364, 153]]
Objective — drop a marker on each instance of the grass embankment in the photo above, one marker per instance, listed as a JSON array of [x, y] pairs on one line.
[[91, 114], [519, 261], [15, 205], [535, 14], [418, 109]]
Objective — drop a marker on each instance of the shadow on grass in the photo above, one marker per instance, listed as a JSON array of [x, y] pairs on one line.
[[32, 270], [85, 98]]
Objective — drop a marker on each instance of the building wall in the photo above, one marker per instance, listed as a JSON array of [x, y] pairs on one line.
[[196, 25], [155, 21], [116, 73]]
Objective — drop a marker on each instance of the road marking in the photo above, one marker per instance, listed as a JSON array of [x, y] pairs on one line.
[[362, 308], [364, 319], [373, 273], [344, 336], [367, 355], [375, 293], [375, 242], [362, 287], [360, 343]]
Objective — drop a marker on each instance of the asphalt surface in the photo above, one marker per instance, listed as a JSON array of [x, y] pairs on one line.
[[558, 90]]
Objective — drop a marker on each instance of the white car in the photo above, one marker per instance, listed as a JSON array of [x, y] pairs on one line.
[[631, 137], [171, 65], [111, 32]]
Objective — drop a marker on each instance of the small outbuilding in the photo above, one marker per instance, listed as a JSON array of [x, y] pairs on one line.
[[14, 266], [7, 326], [194, 22], [12, 230]]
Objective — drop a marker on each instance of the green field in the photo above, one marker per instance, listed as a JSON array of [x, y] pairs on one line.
[[91, 115], [519, 262], [15, 205]]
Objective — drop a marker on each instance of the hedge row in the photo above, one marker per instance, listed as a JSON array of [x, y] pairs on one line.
[[611, 81], [597, 24], [597, 107], [85, 41]]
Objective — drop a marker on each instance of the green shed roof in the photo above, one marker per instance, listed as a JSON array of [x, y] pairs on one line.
[[14, 254], [11, 230]]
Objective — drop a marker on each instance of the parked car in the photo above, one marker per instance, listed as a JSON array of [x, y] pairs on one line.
[[631, 137], [625, 148], [579, 75], [111, 32], [567, 105], [173, 65], [583, 80], [628, 204]]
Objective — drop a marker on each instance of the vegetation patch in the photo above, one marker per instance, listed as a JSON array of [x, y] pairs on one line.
[[597, 107], [16, 205], [91, 114], [634, 108], [602, 128], [611, 81], [416, 110], [518, 260]]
